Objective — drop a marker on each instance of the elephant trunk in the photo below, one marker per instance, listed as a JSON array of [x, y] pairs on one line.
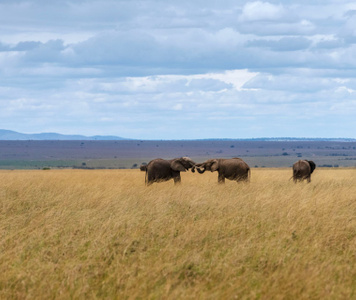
[[200, 171]]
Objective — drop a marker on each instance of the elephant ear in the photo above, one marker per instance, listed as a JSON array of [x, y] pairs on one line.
[[214, 166], [312, 166], [176, 165]]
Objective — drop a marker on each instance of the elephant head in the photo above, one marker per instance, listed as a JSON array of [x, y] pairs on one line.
[[312, 166], [182, 164], [210, 165]]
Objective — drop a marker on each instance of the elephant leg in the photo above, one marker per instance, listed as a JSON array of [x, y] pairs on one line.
[[295, 176], [221, 179], [243, 178], [177, 180], [150, 180]]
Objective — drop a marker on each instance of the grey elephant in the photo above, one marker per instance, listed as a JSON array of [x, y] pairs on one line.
[[302, 169], [162, 170], [232, 169]]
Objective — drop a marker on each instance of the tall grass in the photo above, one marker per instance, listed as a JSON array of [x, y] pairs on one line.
[[103, 234]]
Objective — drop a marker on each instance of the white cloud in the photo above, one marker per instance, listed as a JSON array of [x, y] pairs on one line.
[[237, 78], [262, 11], [178, 106]]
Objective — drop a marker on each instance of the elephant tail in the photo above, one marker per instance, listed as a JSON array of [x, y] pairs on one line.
[[296, 174]]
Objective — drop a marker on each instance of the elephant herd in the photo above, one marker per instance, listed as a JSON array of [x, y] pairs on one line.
[[232, 168]]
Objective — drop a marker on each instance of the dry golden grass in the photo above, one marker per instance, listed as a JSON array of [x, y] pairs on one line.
[[74, 234]]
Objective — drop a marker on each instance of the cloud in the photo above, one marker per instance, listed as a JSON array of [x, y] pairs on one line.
[[330, 44], [26, 46], [157, 68], [292, 83], [4, 47], [262, 11], [283, 44]]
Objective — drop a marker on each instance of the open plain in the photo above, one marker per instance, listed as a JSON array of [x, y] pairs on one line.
[[129, 154], [88, 234]]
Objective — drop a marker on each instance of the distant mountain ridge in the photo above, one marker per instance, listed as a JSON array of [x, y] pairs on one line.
[[9, 135]]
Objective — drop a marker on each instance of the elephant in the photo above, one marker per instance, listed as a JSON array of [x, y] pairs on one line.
[[302, 169], [162, 170], [232, 169]]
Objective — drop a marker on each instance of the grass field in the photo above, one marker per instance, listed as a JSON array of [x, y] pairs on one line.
[[92, 234]]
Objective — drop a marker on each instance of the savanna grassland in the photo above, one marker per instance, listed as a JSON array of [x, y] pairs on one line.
[[129, 154], [92, 234]]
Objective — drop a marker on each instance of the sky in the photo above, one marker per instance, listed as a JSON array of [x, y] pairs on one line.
[[163, 69]]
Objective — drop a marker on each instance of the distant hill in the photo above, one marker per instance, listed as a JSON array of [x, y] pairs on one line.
[[8, 135]]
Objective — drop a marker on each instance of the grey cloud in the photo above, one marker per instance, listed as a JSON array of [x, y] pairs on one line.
[[283, 44], [26, 46], [99, 15], [303, 28], [46, 52], [165, 38], [330, 44], [4, 47], [350, 13], [347, 30], [195, 49], [126, 48], [33, 48]]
